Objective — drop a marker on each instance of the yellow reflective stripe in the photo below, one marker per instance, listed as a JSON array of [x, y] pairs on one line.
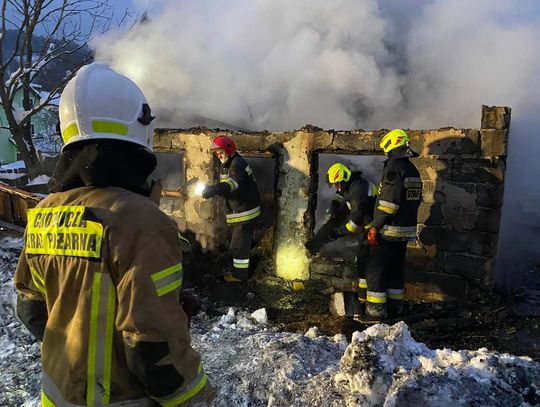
[[196, 386], [388, 207], [45, 401], [109, 334], [100, 340], [62, 230], [351, 226], [244, 216], [376, 297], [231, 182], [166, 272], [70, 131], [362, 283], [168, 279], [395, 293], [390, 211], [38, 281], [373, 190], [92, 340], [100, 126], [241, 263], [170, 287]]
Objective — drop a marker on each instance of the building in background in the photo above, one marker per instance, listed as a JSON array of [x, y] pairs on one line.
[[44, 130]]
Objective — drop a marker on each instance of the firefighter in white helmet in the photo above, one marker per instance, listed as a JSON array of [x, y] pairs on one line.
[[100, 275]]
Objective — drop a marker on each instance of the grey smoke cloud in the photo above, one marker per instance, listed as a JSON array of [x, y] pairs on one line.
[[343, 64]]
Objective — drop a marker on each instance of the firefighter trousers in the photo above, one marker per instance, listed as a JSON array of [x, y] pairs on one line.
[[240, 247], [385, 272], [361, 261]]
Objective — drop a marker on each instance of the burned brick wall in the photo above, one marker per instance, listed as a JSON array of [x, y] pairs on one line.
[[462, 172]]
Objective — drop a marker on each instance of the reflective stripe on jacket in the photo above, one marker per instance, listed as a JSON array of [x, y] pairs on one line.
[[359, 195], [237, 184], [108, 265]]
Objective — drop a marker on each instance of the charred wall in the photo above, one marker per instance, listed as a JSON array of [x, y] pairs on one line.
[[463, 176]]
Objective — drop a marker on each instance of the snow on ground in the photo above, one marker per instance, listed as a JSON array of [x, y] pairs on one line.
[[40, 179], [252, 364]]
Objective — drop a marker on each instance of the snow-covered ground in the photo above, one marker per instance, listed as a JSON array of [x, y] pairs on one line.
[[252, 364]]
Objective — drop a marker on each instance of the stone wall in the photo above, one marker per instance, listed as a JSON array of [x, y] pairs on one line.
[[463, 176]]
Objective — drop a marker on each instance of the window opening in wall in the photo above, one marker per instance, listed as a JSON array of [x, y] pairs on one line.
[[171, 170], [371, 168], [264, 170]]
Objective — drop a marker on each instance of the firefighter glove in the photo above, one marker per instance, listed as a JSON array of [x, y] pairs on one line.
[[372, 236], [210, 191]]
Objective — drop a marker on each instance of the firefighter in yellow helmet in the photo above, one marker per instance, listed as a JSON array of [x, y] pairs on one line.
[[100, 274], [350, 211], [393, 225]]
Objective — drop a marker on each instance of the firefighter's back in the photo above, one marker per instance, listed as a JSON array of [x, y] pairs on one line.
[[79, 245]]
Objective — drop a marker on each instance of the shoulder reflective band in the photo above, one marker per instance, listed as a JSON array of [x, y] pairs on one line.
[[98, 126], [231, 182], [185, 392], [100, 340], [168, 279], [395, 293], [243, 216], [241, 263], [63, 231], [388, 207], [352, 227], [376, 297]]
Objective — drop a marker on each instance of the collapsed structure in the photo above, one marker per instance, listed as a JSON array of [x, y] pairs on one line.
[[462, 171]]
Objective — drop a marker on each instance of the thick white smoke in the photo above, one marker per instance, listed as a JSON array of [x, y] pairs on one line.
[[343, 64]]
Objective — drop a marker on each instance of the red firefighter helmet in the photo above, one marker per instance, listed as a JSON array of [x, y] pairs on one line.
[[224, 143]]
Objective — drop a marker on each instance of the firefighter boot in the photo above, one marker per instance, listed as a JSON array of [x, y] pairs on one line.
[[375, 313], [394, 308], [236, 275], [362, 300]]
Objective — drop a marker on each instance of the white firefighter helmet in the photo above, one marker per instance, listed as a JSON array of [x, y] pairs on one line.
[[99, 103]]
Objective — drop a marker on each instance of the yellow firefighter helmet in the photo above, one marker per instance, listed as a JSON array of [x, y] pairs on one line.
[[338, 173], [394, 139]]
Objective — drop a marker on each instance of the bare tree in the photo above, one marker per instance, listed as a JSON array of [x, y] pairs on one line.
[[63, 28]]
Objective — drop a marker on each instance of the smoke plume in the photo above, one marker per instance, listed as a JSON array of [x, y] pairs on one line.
[[344, 64]]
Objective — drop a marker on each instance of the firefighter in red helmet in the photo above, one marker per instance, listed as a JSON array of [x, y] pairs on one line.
[[243, 205]]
